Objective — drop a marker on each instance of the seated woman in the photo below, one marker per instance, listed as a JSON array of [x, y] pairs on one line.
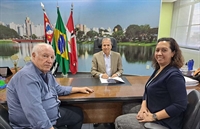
[[165, 96]]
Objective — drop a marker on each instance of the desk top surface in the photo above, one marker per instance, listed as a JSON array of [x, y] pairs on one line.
[[132, 90], [96, 82]]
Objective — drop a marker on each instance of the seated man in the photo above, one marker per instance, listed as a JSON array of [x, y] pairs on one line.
[[106, 63], [32, 95]]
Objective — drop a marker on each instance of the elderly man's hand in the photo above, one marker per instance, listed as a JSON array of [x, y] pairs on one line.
[[86, 90]]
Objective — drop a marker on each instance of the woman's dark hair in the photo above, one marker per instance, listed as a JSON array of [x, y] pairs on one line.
[[177, 59]]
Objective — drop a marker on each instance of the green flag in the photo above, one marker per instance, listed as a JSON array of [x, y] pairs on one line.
[[60, 45]]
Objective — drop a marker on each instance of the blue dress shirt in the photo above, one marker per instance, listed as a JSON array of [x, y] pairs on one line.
[[31, 101]]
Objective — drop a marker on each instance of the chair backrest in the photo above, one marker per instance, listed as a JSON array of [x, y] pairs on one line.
[[4, 121], [191, 116], [98, 44], [192, 113]]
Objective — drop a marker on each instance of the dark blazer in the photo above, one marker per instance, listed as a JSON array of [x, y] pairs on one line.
[[167, 91], [98, 64]]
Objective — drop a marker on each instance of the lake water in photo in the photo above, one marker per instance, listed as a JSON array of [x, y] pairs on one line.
[[136, 60]]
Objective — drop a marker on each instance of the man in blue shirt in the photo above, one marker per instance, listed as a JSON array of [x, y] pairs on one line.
[[32, 95]]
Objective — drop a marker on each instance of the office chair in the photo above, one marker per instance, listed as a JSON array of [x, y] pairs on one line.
[[4, 121], [191, 116], [97, 48], [98, 44]]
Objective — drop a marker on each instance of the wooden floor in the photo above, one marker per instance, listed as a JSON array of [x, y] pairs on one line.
[[100, 126]]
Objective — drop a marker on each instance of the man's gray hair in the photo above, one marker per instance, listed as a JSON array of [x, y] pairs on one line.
[[106, 38], [38, 48]]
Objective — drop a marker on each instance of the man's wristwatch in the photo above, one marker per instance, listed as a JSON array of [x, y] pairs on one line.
[[155, 117]]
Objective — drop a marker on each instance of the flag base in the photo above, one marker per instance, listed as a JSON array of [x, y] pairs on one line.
[[65, 75]]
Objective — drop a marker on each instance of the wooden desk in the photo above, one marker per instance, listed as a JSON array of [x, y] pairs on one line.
[[107, 92], [105, 103]]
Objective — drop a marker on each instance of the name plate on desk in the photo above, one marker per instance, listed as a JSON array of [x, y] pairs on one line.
[[96, 82]]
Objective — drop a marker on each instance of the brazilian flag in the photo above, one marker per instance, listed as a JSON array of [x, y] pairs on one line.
[[60, 44]]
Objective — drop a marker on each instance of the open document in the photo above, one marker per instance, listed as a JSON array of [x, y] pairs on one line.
[[190, 81], [112, 80]]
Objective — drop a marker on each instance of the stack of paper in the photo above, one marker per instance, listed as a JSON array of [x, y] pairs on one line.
[[190, 81]]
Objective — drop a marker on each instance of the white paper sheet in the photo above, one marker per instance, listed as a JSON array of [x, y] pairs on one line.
[[190, 81], [111, 80]]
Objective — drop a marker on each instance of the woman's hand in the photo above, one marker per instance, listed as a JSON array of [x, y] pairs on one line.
[[141, 113], [147, 117]]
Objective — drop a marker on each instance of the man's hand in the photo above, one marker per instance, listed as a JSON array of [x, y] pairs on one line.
[[114, 75], [104, 76], [85, 90]]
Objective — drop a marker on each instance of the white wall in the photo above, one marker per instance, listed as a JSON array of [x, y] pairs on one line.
[[191, 54]]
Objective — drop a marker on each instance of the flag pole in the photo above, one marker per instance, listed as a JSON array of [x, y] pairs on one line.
[[72, 49], [61, 52], [64, 75], [48, 30], [45, 38], [71, 6], [42, 5]]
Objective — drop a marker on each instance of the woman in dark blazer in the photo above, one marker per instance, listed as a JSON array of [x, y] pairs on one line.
[[165, 96]]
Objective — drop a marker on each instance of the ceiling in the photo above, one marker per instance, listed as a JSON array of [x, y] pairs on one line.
[[168, 0]]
